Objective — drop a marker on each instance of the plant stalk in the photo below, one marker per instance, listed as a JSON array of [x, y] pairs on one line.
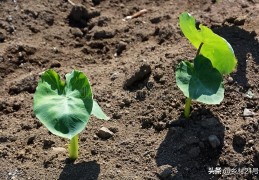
[[199, 49], [187, 108], [73, 148], [188, 101]]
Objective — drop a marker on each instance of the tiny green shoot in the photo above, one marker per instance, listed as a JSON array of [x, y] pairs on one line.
[[65, 107], [202, 80]]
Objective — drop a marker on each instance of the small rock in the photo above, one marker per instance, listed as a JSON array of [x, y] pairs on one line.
[[58, 149], [165, 171], [194, 152], [214, 141], [248, 113], [76, 32], [114, 76], [251, 142], [138, 74], [105, 133], [103, 34], [9, 18], [230, 80], [249, 94], [121, 47]]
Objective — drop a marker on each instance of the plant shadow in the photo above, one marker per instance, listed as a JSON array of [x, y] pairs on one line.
[[81, 171], [187, 148], [245, 46]]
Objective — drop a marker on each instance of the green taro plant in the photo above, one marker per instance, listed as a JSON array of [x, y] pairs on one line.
[[202, 79], [65, 107]]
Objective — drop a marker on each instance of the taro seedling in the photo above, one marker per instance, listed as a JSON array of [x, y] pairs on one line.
[[202, 79], [65, 107]]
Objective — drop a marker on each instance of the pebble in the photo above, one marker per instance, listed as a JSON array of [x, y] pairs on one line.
[[114, 76], [121, 47], [248, 113], [230, 80], [105, 133], [76, 32], [214, 141], [58, 149], [165, 171], [9, 18]]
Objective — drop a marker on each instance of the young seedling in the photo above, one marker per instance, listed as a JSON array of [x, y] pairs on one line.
[[202, 80], [65, 107]]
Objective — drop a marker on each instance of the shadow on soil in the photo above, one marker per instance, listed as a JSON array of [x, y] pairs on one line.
[[245, 47], [186, 146], [85, 170]]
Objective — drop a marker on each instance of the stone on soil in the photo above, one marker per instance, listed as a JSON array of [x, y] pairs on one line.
[[165, 171], [247, 113], [105, 133], [214, 141]]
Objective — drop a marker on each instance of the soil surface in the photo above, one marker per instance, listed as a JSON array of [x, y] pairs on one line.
[[131, 65]]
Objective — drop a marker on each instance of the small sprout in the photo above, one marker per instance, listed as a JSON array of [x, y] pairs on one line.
[[202, 80], [65, 107]]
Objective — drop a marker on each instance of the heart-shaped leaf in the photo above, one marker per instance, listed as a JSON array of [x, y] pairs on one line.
[[201, 81], [63, 107], [215, 48]]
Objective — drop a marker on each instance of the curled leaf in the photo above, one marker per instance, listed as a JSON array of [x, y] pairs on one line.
[[215, 48]]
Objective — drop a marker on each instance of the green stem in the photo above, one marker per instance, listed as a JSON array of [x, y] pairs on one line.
[[187, 108], [73, 148], [199, 49]]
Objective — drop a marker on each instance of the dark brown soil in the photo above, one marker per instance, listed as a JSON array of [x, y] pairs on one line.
[[131, 67]]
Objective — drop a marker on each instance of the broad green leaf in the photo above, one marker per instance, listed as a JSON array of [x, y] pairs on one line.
[[63, 107], [215, 48], [98, 112], [201, 81]]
